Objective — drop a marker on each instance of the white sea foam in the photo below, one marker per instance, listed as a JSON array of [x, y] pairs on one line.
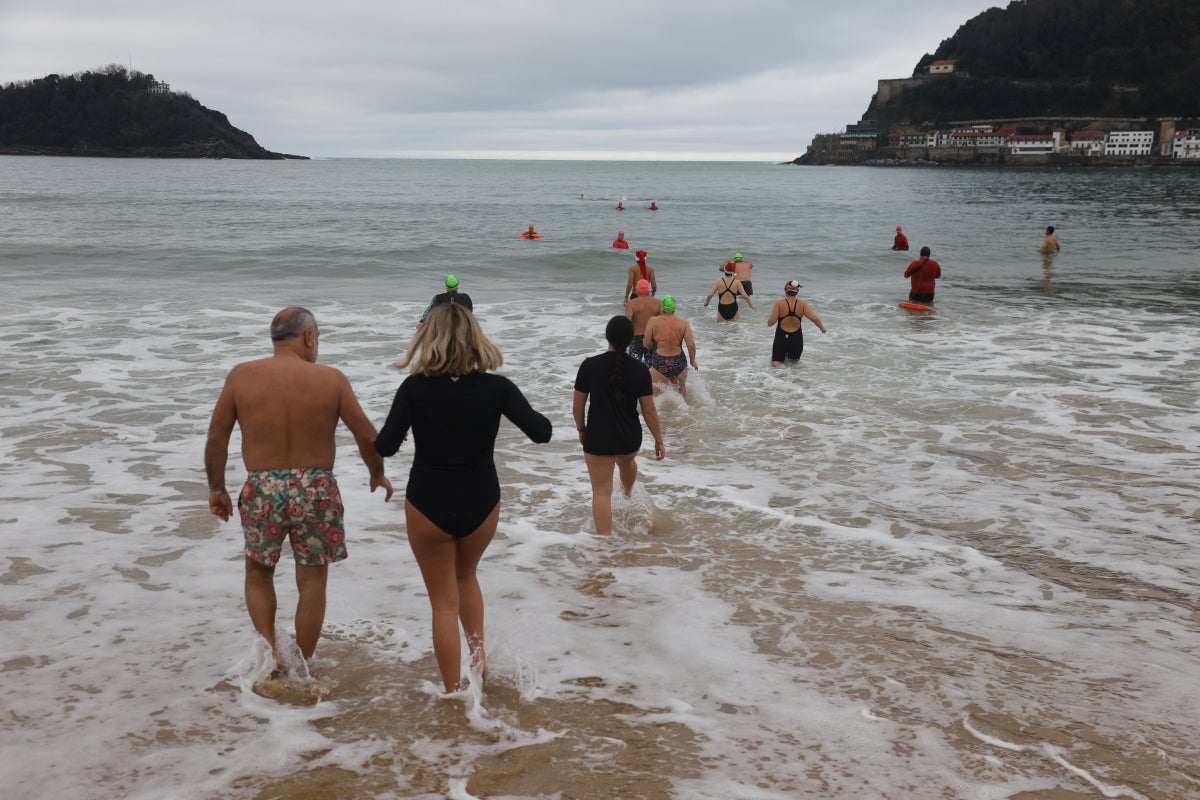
[[983, 518]]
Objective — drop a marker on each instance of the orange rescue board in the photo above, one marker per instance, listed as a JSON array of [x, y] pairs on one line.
[[914, 306]]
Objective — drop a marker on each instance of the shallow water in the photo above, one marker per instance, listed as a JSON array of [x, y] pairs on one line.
[[948, 555]]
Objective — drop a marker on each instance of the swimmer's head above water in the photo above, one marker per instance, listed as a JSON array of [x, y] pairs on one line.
[[668, 304], [451, 281]]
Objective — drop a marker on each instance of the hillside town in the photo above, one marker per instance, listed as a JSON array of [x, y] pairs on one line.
[[1027, 140], [1009, 141]]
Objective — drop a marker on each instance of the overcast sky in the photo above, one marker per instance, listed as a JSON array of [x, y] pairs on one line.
[[634, 79]]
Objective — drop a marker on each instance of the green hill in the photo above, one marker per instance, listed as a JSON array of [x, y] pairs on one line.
[[115, 112], [1099, 58]]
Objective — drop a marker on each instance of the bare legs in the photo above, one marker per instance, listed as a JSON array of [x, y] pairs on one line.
[[310, 607], [600, 470], [660, 380], [448, 569]]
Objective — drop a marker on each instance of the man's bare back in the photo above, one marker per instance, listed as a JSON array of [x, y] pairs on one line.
[[640, 310], [288, 408]]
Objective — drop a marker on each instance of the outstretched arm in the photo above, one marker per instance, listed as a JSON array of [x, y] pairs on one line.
[[364, 435], [808, 312], [531, 423], [690, 341], [577, 406], [774, 316], [650, 414], [216, 452], [742, 292]]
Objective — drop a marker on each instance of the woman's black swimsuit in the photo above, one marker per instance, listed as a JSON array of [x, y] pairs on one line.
[[727, 310], [787, 346], [454, 421]]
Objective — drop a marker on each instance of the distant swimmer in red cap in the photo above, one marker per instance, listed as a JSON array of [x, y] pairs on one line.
[[638, 272], [901, 241], [620, 205], [531, 234], [620, 242], [639, 310], [654, 205]]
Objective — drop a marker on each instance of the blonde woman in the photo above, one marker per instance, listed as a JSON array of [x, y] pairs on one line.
[[453, 405]]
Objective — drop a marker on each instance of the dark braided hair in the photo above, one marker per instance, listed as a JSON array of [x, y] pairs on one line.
[[619, 334]]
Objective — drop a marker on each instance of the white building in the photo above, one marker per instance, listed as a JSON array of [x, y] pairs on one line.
[[943, 67], [1129, 143], [1088, 142], [158, 87], [1037, 144], [1187, 144]]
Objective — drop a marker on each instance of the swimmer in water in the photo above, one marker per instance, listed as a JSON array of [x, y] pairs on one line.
[[666, 335], [639, 310], [728, 288], [641, 271], [786, 315]]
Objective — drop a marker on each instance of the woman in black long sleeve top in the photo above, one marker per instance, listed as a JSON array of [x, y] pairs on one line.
[[452, 503]]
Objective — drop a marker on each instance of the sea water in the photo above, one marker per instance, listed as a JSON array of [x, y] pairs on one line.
[[950, 554]]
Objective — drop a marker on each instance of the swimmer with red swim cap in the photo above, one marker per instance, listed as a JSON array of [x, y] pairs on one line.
[[901, 241], [620, 242], [640, 271]]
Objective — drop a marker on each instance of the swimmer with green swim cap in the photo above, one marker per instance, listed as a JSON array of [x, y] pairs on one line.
[[741, 269], [666, 336], [451, 295]]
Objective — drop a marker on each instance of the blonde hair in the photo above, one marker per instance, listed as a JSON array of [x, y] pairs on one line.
[[450, 343]]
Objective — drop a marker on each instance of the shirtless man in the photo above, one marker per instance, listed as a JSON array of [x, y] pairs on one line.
[[640, 309], [667, 334], [288, 408], [728, 288], [1050, 243], [641, 271], [742, 269], [788, 312]]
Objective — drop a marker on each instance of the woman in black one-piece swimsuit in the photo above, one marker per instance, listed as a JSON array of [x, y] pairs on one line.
[[452, 502]]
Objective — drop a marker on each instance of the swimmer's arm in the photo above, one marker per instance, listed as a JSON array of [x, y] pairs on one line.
[[628, 310], [577, 405], [395, 427], [650, 414], [216, 452], [653, 282], [356, 420], [690, 341], [629, 285], [774, 317], [808, 312], [521, 414], [742, 291], [711, 292]]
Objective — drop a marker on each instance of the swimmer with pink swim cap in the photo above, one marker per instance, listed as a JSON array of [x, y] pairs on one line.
[[620, 242], [640, 309]]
